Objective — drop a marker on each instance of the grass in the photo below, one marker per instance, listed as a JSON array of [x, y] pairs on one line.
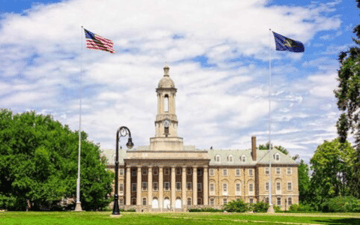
[[103, 218]]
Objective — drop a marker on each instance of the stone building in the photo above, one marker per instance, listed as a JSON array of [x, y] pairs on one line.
[[168, 175]]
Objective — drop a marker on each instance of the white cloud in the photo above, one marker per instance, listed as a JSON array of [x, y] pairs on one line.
[[219, 105]]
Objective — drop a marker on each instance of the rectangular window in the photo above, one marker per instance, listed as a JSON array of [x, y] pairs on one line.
[[199, 187], [267, 186], [289, 186], [155, 186], [251, 187], [212, 172], [144, 201], [278, 202], [144, 172], [121, 188], [212, 201], [278, 171], [224, 201], [199, 173], [212, 187], [267, 171], [188, 185], [238, 188], [166, 171], [133, 172], [134, 187], [288, 171], [290, 201], [250, 172], [144, 186], [225, 172], [189, 201], [167, 186], [121, 172], [155, 172], [237, 172], [278, 186], [225, 187], [178, 186], [188, 171], [178, 171]]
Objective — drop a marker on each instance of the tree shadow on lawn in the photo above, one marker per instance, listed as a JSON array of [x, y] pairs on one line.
[[340, 221]]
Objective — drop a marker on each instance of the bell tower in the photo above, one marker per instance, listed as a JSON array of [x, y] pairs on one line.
[[166, 123], [166, 120]]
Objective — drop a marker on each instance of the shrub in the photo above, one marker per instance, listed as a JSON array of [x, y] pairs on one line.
[[259, 207], [341, 204], [206, 210], [301, 208], [277, 208], [237, 206]]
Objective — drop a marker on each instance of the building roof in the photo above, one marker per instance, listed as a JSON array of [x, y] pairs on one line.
[[237, 156]]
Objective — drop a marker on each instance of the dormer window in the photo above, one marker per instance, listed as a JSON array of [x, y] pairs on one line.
[[217, 158], [242, 158], [166, 103], [230, 158], [277, 157]]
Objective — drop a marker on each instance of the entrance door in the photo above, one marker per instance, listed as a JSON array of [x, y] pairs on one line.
[[155, 203], [178, 203], [167, 203]]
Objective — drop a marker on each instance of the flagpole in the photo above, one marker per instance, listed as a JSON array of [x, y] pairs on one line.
[[78, 207], [271, 208]]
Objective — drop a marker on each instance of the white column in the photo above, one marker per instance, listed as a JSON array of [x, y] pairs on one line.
[[173, 180], [128, 185], [206, 186], [150, 186], [138, 186], [161, 188], [194, 185], [183, 174]]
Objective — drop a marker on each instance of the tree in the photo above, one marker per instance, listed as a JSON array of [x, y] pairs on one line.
[[38, 164], [280, 148], [348, 95], [304, 182], [331, 165]]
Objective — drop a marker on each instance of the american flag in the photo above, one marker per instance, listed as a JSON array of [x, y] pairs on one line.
[[94, 41]]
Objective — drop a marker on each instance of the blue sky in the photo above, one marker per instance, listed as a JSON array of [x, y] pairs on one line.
[[218, 57]]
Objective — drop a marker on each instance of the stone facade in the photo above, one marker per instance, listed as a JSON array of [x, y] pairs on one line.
[[169, 176]]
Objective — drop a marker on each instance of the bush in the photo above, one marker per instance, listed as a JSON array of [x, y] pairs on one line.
[[206, 210], [129, 210], [341, 204], [237, 206], [259, 207], [301, 208], [277, 208]]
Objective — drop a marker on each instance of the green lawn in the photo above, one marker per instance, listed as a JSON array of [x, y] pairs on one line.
[[175, 218]]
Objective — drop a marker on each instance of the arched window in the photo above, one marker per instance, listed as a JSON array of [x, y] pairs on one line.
[[277, 157], [230, 158], [166, 103]]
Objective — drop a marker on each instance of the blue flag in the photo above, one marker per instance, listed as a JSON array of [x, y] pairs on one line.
[[287, 44]]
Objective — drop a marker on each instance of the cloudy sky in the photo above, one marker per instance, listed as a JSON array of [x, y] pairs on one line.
[[218, 53]]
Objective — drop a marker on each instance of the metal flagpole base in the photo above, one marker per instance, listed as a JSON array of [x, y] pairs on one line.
[[78, 207], [271, 209]]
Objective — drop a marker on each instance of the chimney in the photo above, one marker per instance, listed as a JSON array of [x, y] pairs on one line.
[[253, 147]]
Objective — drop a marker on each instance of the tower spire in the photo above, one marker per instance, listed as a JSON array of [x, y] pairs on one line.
[[166, 70]]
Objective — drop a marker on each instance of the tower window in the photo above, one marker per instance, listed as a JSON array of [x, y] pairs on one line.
[[166, 103]]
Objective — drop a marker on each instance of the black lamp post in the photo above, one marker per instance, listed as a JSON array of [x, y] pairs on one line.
[[121, 132]]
